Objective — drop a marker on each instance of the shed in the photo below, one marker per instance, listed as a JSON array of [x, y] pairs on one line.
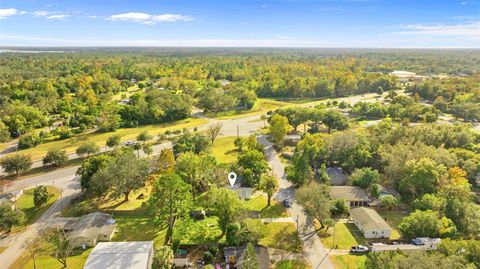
[[125, 255], [356, 196], [370, 223]]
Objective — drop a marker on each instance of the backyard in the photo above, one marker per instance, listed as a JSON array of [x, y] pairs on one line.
[[344, 236]]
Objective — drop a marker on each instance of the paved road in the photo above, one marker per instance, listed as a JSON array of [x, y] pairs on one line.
[[312, 246]]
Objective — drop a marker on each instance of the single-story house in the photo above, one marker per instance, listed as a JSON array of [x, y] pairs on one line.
[[354, 195], [90, 229], [337, 177], [234, 256], [370, 223], [125, 255]]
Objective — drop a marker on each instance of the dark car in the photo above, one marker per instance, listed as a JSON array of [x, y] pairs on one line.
[[359, 249], [287, 203]]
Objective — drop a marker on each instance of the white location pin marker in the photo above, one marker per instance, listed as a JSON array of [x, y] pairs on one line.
[[232, 177]]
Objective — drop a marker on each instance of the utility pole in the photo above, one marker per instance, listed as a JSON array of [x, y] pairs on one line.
[[238, 131]]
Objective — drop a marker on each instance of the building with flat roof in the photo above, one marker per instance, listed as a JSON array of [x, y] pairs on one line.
[[124, 255], [370, 223], [356, 196]]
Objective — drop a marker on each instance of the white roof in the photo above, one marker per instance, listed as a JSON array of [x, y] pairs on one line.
[[115, 255], [402, 73]]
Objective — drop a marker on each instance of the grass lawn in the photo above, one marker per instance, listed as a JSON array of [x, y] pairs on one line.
[[349, 261], [224, 150], [345, 236], [393, 219], [259, 204], [137, 226], [261, 106], [71, 144], [25, 202], [281, 235], [293, 264], [75, 261]]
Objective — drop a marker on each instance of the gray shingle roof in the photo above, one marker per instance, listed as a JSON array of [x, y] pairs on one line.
[[369, 219]]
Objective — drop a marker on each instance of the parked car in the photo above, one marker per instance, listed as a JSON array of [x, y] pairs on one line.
[[287, 203], [359, 249], [128, 143]]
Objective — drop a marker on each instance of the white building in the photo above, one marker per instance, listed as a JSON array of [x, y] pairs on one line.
[[124, 255], [370, 223]]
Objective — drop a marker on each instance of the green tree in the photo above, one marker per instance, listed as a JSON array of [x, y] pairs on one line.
[[254, 161], [29, 140], [40, 195], [278, 128], [196, 170], [56, 157], [339, 207], [91, 166], [334, 120], [113, 141], [120, 176], [226, 205], [430, 202], [421, 177], [389, 202], [315, 199], [34, 247], [196, 142], [144, 137], [147, 149], [214, 130], [365, 177], [10, 216], [268, 184], [166, 161], [16, 163], [4, 133], [170, 201], [250, 258], [425, 224], [60, 246], [87, 149]]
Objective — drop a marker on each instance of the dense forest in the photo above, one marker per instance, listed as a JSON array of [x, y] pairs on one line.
[[81, 89]]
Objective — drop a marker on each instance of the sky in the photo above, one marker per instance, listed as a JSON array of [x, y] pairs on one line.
[[242, 23]]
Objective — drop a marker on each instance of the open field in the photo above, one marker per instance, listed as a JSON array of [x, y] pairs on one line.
[[224, 150], [259, 204], [25, 202], [293, 264], [261, 106], [75, 261], [345, 237], [71, 144], [281, 235], [393, 219], [348, 261]]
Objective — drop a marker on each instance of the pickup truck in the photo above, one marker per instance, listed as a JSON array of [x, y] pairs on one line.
[[359, 249]]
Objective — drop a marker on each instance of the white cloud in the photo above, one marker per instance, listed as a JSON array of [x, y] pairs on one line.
[[7, 12], [40, 13], [283, 37], [58, 17], [263, 6], [469, 30], [148, 18]]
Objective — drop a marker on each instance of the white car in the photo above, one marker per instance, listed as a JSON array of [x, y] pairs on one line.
[[359, 249]]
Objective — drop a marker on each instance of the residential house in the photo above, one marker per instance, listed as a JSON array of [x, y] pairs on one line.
[[337, 177], [124, 255], [354, 195], [89, 229], [234, 256], [370, 223]]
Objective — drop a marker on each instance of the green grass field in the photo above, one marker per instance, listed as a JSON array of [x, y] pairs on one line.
[[344, 236], [293, 264], [393, 219], [71, 144], [224, 150], [281, 235], [348, 261], [261, 106], [75, 261], [25, 202], [259, 204]]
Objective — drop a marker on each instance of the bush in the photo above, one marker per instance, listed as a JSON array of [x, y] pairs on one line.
[[29, 141], [339, 207], [364, 177]]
